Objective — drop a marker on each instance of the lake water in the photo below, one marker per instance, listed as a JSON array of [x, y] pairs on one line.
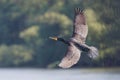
[[60, 74]]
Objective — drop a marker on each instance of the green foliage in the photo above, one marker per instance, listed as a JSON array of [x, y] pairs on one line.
[[14, 55], [27, 24]]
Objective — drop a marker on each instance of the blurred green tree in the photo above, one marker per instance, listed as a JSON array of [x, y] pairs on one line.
[[27, 24]]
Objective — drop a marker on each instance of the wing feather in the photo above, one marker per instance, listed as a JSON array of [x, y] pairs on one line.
[[71, 58], [80, 30]]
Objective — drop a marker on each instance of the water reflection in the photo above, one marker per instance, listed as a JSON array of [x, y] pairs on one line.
[[60, 74]]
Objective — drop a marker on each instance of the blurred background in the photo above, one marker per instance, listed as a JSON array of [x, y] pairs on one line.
[[25, 27]]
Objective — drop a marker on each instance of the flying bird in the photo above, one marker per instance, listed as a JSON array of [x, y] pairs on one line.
[[76, 44]]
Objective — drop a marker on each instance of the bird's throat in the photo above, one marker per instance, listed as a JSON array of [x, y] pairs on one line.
[[54, 38]]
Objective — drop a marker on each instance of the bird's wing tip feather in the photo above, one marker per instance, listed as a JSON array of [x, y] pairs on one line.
[[78, 10]]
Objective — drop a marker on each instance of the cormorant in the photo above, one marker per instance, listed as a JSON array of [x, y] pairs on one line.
[[76, 43]]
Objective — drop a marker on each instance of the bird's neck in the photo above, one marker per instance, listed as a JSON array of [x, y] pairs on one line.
[[64, 41]]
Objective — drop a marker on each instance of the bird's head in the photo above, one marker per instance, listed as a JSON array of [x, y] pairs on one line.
[[54, 38], [57, 38]]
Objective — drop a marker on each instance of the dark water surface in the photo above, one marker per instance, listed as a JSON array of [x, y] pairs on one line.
[[60, 74]]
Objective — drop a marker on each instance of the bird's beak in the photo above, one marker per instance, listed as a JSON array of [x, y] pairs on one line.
[[54, 38]]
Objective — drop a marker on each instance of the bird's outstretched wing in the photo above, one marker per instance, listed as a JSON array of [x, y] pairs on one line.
[[71, 58], [80, 28]]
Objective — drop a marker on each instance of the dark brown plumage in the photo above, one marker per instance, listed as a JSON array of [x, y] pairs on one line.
[[76, 44]]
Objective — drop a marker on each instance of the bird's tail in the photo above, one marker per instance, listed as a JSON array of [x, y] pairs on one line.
[[93, 53]]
